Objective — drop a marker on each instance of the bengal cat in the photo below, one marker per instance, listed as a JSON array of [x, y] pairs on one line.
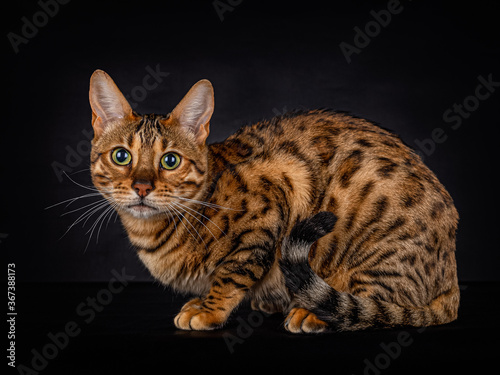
[[373, 236]]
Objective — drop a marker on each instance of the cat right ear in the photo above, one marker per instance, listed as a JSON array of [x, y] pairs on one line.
[[107, 102], [195, 110]]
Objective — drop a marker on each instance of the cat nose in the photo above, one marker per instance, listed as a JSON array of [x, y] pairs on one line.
[[142, 188]]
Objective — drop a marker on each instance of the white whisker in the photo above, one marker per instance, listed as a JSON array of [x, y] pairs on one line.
[[198, 220], [109, 210], [80, 171], [180, 205], [78, 184], [71, 200], [87, 205], [111, 215], [206, 204], [192, 226], [91, 209], [86, 215], [171, 217], [176, 213], [103, 205], [94, 225]]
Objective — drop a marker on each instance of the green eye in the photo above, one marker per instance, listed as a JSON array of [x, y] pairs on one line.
[[170, 160], [121, 156]]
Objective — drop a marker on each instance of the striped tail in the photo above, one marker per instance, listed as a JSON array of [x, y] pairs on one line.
[[344, 311]]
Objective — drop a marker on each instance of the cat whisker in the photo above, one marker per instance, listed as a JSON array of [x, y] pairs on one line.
[[203, 216], [198, 220], [78, 184], [91, 208], [206, 204], [101, 218], [171, 217], [80, 171], [71, 200], [90, 212], [110, 216], [109, 212], [177, 212], [81, 208], [86, 215]]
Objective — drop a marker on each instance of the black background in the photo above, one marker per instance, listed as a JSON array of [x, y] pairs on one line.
[[262, 57]]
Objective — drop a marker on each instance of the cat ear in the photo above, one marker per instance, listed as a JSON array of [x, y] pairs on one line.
[[195, 110], [107, 102]]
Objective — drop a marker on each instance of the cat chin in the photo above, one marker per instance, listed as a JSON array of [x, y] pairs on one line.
[[142, 212]]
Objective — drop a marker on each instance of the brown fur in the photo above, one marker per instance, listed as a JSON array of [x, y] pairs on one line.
[[222, 215]]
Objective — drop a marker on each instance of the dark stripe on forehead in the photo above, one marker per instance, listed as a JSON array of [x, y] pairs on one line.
[[157, 124], [149, 129], [140, 125]]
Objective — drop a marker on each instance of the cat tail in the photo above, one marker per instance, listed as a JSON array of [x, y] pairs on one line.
[[344, 311]]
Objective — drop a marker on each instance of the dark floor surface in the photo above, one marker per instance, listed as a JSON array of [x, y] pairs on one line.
[[133, 333]]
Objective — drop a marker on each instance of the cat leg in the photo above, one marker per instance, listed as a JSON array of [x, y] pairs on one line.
[[267, 307], [231, 282], [270, 295], [213, 310], [270, 304]]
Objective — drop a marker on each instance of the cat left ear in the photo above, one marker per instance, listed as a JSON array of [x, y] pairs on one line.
[[107, 102], [195, 110]]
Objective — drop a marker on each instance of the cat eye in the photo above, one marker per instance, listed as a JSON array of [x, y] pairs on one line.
[[121, 156], [170, 160]]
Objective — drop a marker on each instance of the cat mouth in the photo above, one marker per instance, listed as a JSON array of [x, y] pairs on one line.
[[142, 207]]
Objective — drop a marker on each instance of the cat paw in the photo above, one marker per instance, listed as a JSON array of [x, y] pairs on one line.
[[194, 317], [300, 320]]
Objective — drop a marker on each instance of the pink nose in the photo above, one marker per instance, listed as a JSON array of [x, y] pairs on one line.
[[142, 188]]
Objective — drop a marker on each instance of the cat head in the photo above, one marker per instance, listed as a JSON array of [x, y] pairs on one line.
[[146, 164]]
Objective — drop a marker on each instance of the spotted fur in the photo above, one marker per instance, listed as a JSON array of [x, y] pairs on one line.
[[216, 225]]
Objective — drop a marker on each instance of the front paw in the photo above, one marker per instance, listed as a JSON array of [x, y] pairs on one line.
[[195, 316]]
